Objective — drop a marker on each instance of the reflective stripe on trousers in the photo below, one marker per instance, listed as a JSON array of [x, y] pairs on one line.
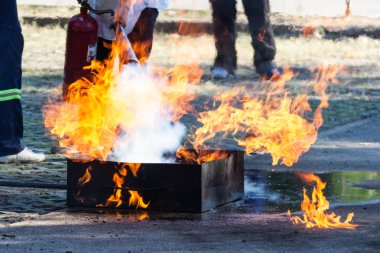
[[6, 95]]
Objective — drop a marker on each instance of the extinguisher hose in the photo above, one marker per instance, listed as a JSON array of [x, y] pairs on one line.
[[85, 4]]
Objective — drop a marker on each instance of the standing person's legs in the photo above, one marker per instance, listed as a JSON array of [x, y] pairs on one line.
[[223, 20], [261, 31], [11, 121], [141, 36]]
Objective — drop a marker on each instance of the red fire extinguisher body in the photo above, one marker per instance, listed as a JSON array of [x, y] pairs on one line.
[[81, 42]]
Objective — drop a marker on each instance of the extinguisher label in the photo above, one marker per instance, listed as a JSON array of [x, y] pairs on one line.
[[91, 52]]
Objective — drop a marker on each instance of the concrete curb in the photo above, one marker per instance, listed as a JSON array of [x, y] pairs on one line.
[[194, 28], [344, 128]]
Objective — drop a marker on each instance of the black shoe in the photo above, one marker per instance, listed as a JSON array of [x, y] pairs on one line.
[[268, 70]]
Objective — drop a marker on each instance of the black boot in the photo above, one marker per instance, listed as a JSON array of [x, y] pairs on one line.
[[261, 31]]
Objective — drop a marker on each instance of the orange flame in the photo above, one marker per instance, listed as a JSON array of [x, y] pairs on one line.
[[142, 216], [275, 123], [179, 93], [138, 215], [116, 199], [92, 116], [200, 156], [134, 167], [86, 177], [315, 208], [90, 120], [137, 200]]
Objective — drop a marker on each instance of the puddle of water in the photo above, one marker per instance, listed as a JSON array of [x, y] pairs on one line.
[[272, 192]]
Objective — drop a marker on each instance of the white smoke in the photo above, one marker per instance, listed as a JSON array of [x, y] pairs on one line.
[[149, 134]]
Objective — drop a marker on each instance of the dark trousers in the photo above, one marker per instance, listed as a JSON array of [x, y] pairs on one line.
[[11, 121], [224, 17], [141, 37]]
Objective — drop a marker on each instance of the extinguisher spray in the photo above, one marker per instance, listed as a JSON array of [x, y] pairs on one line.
[[81, 44]]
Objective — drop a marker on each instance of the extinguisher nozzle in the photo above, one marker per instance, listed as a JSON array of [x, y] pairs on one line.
[[131, 55]]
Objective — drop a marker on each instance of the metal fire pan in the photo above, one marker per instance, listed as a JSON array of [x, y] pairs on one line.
[[177, 187]]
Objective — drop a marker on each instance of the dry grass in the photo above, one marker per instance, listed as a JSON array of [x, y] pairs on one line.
[[298, 52], [44, 49], [69, 11]]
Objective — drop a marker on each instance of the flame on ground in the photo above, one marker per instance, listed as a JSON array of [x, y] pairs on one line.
[[315, 215]]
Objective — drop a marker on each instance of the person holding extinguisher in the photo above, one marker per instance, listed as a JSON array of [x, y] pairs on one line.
[[12, 148], [138, 19]]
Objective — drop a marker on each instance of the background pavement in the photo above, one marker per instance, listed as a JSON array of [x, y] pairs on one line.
[[216, 231]]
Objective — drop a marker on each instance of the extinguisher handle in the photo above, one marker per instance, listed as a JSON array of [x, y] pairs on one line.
[[84, 3]]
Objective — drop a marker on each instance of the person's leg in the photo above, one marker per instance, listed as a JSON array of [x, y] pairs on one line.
[[223, 21], [141, 36], [11, 121], [261, 31]]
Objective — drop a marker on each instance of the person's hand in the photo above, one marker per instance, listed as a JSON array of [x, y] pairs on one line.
[[121, 14]]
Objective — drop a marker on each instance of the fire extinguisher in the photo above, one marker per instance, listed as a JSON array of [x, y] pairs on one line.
[[81, 44]]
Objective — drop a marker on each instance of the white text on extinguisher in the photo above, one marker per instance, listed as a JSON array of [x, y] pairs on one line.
[[91, 52]]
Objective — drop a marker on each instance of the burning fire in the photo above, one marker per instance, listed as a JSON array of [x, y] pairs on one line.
[[86, 177], [116, 199], [119, 111], [315, 208], [200, 156], [99, 116], [274, 123], [123, 109], [137, 200]]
